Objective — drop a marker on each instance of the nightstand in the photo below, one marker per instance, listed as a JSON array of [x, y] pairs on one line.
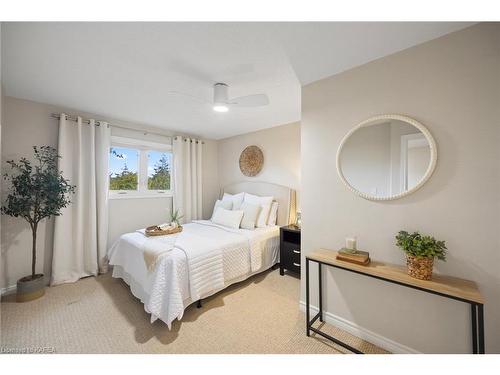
[[290, 249]]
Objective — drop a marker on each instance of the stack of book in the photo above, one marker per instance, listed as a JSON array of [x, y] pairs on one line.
[[354, 256]]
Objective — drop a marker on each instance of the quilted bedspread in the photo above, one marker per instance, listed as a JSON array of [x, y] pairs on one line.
[[205, 259]]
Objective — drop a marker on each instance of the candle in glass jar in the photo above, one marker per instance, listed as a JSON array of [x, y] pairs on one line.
[[350, 243]]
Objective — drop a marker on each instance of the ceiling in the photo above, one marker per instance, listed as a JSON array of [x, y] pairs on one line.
[[127, 71]]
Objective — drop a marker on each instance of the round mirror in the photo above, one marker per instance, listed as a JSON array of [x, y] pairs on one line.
[[386, 157]]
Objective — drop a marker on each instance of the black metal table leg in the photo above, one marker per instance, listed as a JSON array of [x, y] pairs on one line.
[[307, 298], [481, 328], [474, 328], [477, 309], [320, 293]]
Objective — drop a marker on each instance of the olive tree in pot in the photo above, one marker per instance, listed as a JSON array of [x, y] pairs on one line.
[[37, 191], [420, 253]]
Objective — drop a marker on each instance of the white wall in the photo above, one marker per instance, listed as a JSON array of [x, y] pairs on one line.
[[128, 215], [28, 123], [281, 148], [451, 85]]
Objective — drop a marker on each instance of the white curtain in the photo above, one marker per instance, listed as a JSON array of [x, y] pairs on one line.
[[80, 234], [187, 177]]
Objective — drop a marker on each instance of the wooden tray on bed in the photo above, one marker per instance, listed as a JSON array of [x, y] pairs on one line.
[[155, 230]]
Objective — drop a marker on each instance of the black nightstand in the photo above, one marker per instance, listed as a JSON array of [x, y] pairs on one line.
[[290, 249]]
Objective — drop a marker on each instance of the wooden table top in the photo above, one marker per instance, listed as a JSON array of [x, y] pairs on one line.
[[448, 285]]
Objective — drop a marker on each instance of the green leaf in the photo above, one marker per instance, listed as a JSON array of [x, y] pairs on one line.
[[37, 189], [421, 246]]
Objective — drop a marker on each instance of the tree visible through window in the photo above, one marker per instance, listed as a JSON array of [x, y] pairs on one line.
[[123, 168], [159, 170]]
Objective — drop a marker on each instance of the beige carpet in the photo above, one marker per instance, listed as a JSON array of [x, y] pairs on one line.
[[100, 315]]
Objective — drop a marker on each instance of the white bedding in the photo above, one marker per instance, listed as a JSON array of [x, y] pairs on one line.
[[206, 258]]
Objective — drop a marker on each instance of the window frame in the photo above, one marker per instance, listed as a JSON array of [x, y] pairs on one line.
[[143, 147]]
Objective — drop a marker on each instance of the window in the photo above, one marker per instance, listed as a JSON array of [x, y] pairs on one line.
[[139, 169], [123, 163], [159, 164]]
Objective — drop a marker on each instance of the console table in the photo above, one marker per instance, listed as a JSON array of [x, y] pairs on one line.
[[444, 286]]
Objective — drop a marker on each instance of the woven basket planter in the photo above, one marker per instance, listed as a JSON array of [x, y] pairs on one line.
[[419, 267]]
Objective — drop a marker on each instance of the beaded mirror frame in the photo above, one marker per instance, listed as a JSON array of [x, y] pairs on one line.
[[376, 120]]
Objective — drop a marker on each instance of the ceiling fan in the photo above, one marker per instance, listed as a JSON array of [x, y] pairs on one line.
[[222, 103]]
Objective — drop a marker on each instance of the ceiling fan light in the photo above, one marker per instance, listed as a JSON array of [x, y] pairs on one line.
[[220, 108]]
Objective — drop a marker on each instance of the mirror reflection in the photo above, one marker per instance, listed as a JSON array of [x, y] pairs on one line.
[[385, 158]]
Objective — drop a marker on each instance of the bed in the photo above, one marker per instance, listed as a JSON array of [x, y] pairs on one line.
[[205, 257]]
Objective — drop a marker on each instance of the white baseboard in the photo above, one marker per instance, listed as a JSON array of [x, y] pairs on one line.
[[8, 289], [362, 333]]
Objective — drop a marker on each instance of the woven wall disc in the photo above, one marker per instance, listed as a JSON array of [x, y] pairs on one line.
[[251, 161]]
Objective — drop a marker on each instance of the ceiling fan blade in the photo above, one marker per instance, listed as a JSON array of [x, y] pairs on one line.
[[256, 100]]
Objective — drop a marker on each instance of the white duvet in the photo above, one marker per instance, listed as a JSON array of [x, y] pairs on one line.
[[205, 259]]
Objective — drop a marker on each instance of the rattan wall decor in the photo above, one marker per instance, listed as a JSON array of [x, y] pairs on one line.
[[251, 161]]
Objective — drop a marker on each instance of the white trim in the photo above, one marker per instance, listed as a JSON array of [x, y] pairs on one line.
[[376, 120], [142, 176], [403, 163], [8, 289], [362, 333], [133, 194]]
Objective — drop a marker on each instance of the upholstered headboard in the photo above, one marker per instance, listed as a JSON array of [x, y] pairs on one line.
[[282, 194]]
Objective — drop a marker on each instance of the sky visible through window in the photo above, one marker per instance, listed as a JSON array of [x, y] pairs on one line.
[[123, 156], [154, 158]]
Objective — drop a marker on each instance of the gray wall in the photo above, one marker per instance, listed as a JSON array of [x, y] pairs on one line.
[[28, 123], [281, 148], [366, 159], [451, 85]]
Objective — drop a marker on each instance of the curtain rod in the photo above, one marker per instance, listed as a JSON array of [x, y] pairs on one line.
[[98, 122]]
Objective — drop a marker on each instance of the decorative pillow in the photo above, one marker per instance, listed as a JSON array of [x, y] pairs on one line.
[[250, 215], [265, 205], [228, 218], [237, 199], [273, 215], [224, 204]]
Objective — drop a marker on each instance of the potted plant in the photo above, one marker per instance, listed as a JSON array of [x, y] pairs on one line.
[[420, 253], [175, 219], [36, 192]]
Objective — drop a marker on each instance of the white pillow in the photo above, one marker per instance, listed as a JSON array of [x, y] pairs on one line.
[[237, 199], [265, 205], [227, 218], [224, 204], [250, 215], [273, 215]]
